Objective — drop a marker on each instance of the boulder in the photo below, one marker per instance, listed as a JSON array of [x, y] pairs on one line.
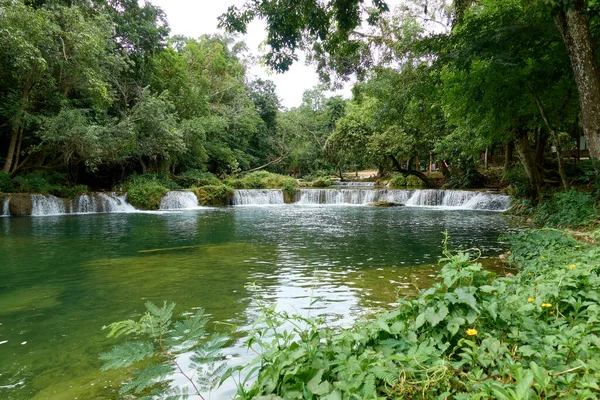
[[20, 204]]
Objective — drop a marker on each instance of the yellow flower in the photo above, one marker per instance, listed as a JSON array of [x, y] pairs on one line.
[[547, 305], [471, 332], [551, 312], [577, 246], [572, 266], [530, 300]]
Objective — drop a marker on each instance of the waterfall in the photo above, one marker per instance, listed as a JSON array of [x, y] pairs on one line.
[[5, 210], [449, 199], [257, 197], [362, 184], [87, 203], [179, 201], [46, 204]]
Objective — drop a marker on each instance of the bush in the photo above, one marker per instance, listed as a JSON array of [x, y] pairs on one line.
[[145, 192], [470, 179], [5, 183], [413, 181], [570, 209], [397, 181], [321, 182], [195, 177], [289, 187], [518, 182], [55, 184], [261, 180], [214, 195]]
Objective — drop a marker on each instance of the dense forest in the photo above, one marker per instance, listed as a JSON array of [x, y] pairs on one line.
[[96, 91]]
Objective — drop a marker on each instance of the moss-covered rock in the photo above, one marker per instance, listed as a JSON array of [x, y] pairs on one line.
[[414, 181], [146, 196], [20, 204], [214, 195]]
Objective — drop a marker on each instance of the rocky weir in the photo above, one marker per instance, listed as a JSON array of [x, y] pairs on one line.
[[25, 204]]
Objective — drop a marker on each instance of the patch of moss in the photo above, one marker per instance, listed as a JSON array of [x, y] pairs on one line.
[[385, 204]]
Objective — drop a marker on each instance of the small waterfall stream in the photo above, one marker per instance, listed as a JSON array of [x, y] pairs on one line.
[[91, 203], [449, 199], [257, 197], [179, 201], [5, 210], [46, 204]]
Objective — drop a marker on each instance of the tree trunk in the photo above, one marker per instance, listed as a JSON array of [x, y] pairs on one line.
[[540, 147], [556, 139], [575, 30], [409, 171], [508, 155], [531, 168], [10, 155]]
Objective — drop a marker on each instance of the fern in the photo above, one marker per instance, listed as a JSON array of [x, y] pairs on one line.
[[160, 342]]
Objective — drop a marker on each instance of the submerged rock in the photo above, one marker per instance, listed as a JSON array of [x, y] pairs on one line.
[[385, 204]]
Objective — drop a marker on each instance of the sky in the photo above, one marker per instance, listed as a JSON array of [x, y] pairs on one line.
[[198, 17]]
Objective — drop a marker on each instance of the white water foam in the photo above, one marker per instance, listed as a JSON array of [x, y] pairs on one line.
[[179, 201], [245, 197], [93, 203], [46, 204]]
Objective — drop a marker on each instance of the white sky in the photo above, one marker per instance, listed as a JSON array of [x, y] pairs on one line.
[[193, 18]]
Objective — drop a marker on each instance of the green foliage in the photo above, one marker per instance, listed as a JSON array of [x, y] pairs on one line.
[[321, 182], [5, 183], [518, 181], [289, 187], [195, 177], [214, 195], [472, 335], [154, 353], [567, 210], [398, 181], [53, 183], [469, 179], [262, 180], [145, 191], [413, 181]]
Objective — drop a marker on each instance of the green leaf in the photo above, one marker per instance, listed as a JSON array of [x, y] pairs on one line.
[[318, 387], [434, 317], [123, 355]]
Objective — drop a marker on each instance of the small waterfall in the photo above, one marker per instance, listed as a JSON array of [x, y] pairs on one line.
[[179, 201], [451, 199], [245, 197], [88, 203], [336, 196], [361, 184], [46, 204], [5, 210]]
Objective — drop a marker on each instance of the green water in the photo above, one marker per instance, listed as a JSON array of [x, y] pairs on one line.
[[63, 278]]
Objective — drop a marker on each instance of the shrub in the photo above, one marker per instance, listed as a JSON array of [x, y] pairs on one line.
[[413, 181], [570, 209], [32, 183], [397, 181], [289, 187], [470, 179], [518, 182], [214, 195], [321, 182], [195, 177], [5, 183], [261, 180], [144, 192], [68, 191]]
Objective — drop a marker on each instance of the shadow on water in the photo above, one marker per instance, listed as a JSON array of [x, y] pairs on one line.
[[63, 278]]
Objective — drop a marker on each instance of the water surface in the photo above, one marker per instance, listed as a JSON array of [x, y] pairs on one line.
[[63, 278]]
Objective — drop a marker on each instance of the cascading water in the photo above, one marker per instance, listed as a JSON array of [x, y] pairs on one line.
[[88, 203], [257, 197], [5, 210], [449, 199], [179, 201], [336, 196], [46, 204], [361, 184]]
